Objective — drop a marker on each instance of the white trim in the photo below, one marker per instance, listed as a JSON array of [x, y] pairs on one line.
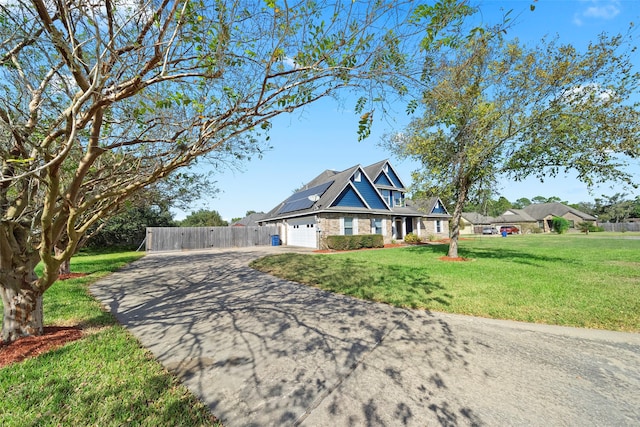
[[364, 201], [360, 195]]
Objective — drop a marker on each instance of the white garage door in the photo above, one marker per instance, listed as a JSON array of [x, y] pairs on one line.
[[302, 232]]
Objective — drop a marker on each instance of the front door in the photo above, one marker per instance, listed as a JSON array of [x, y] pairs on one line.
[[409, 225], [398, 227]]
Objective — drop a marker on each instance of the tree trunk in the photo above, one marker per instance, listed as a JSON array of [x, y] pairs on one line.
[[65, 267], [455, 233], [455, 221], [20, 287], [22, 315]]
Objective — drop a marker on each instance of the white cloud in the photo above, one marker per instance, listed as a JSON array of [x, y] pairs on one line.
[[583, 93], [577, 20], [597, 9], [290, 62], [608, 11]]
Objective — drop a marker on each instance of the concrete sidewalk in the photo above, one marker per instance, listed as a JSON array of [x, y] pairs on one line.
[[261, 351]]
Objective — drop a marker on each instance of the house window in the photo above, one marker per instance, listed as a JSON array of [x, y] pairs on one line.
[[347, 227], [376, 226], [438, 226], [357, 177], [386, 195], [398, 200]]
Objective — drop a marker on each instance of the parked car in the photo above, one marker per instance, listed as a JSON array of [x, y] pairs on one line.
[[489, 230], [510, 229]]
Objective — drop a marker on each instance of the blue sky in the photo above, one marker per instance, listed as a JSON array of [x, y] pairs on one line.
[[323, 136]]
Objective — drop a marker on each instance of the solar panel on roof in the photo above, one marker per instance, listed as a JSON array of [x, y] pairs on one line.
[[301, 200]]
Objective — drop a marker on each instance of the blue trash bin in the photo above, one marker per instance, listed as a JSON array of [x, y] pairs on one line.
[[275, 240], [504, 233]]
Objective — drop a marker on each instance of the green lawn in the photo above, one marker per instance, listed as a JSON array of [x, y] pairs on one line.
[[576, 280], [104, 379]]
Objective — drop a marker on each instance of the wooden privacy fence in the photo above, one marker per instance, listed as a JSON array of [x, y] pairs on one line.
[[620, 226], [189, 238]]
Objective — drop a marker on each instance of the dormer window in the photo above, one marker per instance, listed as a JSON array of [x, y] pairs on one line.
[[398, 200]]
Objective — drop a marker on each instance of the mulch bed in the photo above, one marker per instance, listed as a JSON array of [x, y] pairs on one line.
[[23, 348], [52, 337]]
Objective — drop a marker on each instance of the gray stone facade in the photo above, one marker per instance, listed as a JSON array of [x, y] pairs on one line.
[[331, 225]]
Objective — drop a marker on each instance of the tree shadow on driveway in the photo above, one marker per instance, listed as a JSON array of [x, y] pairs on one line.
[[261, 351], [264, 351]]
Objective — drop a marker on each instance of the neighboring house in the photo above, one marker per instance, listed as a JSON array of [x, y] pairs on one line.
[[358, 200], [518, 217], [537, 215], [543, 214], [475, 222], [250, 220]]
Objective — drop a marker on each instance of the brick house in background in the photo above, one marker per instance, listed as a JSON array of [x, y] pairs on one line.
[[537, 215], [543, 213]]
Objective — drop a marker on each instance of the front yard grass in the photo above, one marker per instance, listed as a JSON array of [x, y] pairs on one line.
[[588, 281], [104, 379]]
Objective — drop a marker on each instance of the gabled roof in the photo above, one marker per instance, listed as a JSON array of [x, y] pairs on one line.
[[514, 215], [477, 219], [378, 172], [540, 211], [250, 220], [432, 206], [349, 191]]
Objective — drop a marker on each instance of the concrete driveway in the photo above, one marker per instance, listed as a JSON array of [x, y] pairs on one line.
[[261, 351]]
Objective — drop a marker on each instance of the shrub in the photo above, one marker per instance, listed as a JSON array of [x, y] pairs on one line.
[[359, 241], [559, 224], [412, 238], [584, 227], [587, 227], [536, 230]]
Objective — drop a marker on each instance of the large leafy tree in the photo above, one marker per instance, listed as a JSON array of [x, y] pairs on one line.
[[128, 228], [495, 107], [204, 218], [150, 207], [616, 208], [100, 100]]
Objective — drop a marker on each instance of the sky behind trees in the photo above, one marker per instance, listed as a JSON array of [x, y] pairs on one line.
[[324, 136]]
